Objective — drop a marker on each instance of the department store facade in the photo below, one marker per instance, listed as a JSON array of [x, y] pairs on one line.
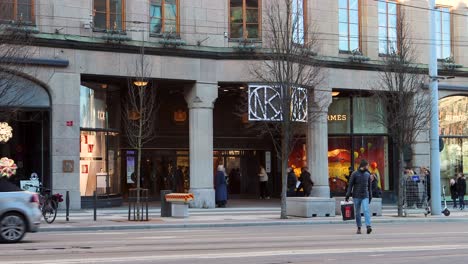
[[82, 62]]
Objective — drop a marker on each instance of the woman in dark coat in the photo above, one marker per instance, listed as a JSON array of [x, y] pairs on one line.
[[453, 191], [306, 181], [292, 181], [461, 190], [221, 187]]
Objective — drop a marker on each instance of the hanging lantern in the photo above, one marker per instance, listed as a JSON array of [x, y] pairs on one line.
[[6, 132]]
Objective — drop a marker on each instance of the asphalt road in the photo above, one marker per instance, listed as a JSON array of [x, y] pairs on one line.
[[338, 243]]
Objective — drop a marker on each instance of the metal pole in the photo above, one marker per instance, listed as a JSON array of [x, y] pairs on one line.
[[67, 203], [434, 132], [95, 205]]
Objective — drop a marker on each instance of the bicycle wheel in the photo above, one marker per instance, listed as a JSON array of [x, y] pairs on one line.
[[49, 211]]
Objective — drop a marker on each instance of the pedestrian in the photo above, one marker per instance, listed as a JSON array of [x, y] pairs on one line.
[[461, 190], [263, 177], [360, 189], [306, 181], [376, 192], [220, 187], [453, 191], [292, 181], [427, 173]]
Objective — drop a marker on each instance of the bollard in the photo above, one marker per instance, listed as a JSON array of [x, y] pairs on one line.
[[166, 210], [67, 204], [95, 205], [147, 206]]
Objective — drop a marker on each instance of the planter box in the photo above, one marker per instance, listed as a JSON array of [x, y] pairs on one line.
[[310, 206]]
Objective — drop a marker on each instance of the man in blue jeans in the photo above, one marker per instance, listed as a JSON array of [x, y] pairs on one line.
[[360, 187]]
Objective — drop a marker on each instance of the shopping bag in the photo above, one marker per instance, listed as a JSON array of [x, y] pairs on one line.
[[347, 210]]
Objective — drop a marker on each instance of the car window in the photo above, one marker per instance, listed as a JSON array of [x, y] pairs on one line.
[[6, 186]]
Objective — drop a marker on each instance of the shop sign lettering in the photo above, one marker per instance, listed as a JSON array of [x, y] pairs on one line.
[[337, 117]]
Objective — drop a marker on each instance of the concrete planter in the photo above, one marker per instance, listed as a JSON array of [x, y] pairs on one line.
[[310, 206]]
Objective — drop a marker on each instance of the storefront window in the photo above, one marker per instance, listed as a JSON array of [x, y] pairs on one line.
[[99, 142], [368, 116], [453, 121], [355, 133], [339, 116]]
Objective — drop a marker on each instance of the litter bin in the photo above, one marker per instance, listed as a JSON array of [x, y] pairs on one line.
[[166, 209]]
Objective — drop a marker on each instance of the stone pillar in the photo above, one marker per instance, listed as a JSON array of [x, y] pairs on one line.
[[65, 93], [200, 99], [317, 144]]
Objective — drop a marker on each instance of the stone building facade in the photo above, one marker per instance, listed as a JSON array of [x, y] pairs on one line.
[[83, 47]]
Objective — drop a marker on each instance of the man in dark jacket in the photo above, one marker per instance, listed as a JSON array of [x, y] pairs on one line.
[[360, 188], [292, 181], [461, 190], [306, 181]]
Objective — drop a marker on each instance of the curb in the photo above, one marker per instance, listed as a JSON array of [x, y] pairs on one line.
[[245, 224]]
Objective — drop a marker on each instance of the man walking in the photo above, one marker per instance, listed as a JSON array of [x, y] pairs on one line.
[[360, 188]]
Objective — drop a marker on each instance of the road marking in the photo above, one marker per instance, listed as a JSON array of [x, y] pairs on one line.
[[253, 254]]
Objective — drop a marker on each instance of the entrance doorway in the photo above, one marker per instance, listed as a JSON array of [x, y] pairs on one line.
[[242, 167]]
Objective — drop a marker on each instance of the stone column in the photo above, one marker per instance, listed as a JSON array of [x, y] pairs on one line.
[[200, 99], [65, 93], [317, 144]]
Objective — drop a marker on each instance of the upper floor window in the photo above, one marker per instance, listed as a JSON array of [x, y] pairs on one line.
[[388, 12], [164, 15], [349, 34], [443, 33], [298, 21], [17, 10], [109, 14], [244, 19]]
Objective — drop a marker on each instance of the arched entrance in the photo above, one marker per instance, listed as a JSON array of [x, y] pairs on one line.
[[25, 107]]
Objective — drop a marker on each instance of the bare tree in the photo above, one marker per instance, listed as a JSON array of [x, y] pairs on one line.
[[139, 113], [288, 79], [406, 104], [15, 50]]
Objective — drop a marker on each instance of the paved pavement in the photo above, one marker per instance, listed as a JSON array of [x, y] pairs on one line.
[[389, 243], [240, 213]]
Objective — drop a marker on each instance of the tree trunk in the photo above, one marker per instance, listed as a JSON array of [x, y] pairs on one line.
[[284, 175], [401, 184], [140, 132]]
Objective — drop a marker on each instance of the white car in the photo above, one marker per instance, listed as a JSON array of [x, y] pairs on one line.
[[19, 212]]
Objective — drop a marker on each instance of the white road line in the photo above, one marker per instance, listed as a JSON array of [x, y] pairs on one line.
[[253, 254]]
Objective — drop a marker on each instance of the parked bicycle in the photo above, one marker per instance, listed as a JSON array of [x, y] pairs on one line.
[[48, 203]]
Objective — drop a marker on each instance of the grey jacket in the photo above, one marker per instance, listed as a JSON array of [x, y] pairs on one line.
[[360, 185]]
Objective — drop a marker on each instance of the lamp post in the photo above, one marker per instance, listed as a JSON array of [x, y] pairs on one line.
[[434, 130]]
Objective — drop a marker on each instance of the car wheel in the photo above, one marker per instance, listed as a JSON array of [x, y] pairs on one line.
[[12, 228]]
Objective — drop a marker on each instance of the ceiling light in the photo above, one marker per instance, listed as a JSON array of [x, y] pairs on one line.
[[242, 87], [226, 90], [140, 83], [335, 93]]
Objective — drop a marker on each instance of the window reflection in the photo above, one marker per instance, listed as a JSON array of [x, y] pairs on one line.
[[348, 16], [387, 27]]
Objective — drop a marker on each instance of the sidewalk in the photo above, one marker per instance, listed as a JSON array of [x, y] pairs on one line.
[[239, 213]]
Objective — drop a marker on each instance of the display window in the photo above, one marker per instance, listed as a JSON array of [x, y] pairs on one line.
[[356, 133], [453, 126], [99, 142]]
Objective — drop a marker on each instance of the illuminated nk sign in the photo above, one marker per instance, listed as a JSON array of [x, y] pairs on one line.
[[265, 103]]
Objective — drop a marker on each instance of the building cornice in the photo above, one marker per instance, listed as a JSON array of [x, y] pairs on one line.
[[215, 53]]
